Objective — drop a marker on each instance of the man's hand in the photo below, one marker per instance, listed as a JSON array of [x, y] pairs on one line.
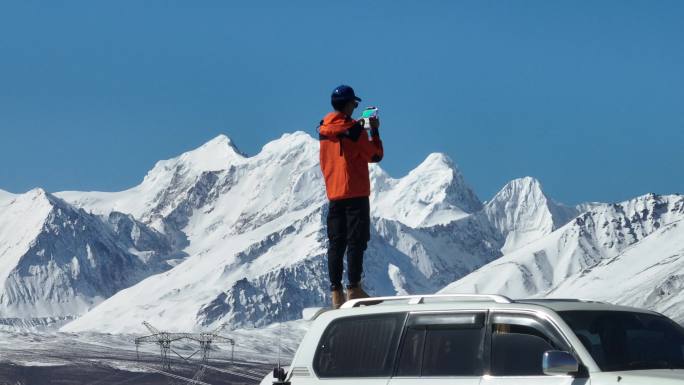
[[375, 125], [374, 122]]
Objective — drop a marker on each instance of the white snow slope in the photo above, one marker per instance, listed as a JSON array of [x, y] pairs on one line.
[[628, 253]]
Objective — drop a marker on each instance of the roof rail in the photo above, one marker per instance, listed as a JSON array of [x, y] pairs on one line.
[[546, 300], [418, 299], [311, 313]]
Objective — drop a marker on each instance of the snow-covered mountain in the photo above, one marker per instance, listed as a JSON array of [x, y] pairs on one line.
[[648, 274], [431, 194], [170, 192], [626, 252], [215, 236], [521, 212], [257, 243], [59, 261]]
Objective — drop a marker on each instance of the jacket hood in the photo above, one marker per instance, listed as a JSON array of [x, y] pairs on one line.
[[336, 118]]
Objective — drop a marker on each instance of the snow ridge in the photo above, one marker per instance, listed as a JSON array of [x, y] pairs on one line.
[[574, 260]]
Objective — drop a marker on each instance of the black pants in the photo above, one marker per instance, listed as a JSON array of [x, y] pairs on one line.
[[348, 229]]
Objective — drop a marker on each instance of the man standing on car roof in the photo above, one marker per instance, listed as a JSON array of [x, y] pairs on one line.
[[345, 152]]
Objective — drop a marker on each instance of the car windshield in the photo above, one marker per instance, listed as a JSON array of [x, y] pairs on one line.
[[621, 341]]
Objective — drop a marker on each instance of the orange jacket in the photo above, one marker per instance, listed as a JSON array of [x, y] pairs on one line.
[[344, 162]]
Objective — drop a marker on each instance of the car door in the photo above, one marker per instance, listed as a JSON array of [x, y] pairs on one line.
[[515, 345], [358, 349], [441, 348]]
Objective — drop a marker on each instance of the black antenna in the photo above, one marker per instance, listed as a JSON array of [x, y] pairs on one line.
[[280, 335]]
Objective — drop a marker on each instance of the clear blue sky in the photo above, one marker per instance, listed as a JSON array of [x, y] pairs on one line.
[[587, 96]]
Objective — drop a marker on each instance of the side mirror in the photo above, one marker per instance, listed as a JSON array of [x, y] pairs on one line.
[[556, 363]]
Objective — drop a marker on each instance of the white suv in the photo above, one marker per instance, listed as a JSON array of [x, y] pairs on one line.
[[487, 339]]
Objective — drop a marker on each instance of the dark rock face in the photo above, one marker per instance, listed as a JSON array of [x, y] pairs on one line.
[[274, 297]]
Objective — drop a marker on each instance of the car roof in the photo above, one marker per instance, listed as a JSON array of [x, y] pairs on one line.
[[566, 304], [430, 303]]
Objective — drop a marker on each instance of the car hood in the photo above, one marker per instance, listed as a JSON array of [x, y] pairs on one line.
[[656, 376]]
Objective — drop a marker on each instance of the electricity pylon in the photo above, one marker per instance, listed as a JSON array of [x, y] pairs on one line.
[[164, 340]]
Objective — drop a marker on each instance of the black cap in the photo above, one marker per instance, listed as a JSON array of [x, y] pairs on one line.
[[344, 93]]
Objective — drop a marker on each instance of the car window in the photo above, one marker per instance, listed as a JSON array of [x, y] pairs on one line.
[[442, 345], [518, 344], [359, 346], [622, 340]]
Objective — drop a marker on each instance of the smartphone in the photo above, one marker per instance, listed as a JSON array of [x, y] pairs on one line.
[[370, 112]]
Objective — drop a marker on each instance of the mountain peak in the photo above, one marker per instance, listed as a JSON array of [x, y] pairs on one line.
[[289, 142], [522, 212], [527, 181], [433, 193], [38, 197], [214, 154], [292, 148], [222, 142], [520, 193], [436, 160], [220, 138], [524, 186], [513, 193], [38, 191]]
